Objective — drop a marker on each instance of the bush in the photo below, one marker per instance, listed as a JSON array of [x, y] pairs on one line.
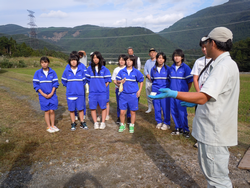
[[36, 64], [5, 63], [21, 64]]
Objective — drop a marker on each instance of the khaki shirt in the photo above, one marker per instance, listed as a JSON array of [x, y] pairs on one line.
[[216, 121]]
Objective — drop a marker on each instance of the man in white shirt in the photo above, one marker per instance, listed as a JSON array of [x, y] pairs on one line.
[[150, 63], [137, 59], [205, 61], [216, 118], [83, 58]]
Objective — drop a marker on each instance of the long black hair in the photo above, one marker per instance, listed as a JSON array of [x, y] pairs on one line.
[[101, 62], [156, 62]]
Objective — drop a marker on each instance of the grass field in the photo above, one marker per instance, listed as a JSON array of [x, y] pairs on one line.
[[17, 95]]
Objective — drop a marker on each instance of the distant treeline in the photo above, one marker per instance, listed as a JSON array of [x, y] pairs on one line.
[[241, 54], [10, 48]]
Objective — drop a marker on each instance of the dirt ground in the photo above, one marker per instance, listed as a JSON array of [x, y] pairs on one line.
[[106, 158]]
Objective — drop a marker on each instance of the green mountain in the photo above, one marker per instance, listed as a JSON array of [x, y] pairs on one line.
[[34, 43], [187, 32], [12, 29], [109, 41]]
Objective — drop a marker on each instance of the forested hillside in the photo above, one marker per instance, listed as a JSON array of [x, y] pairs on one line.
[[187, 32], [241, 54], [10, 48], [104, 39]]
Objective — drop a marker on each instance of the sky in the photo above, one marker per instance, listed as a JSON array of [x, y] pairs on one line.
[[155, 15]]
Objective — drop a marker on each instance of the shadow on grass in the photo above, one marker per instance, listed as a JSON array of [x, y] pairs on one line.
[[79, 180], [19, 174], [59, 113], [3, 71], [6, 147], [157, 154], [171, 170]]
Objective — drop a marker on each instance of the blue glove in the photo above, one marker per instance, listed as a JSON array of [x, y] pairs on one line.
[[159, 96], [188, 104], [169, 92]]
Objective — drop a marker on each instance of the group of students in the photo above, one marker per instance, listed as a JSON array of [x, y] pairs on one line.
[[126, 79], [177, 77], [98, 77]]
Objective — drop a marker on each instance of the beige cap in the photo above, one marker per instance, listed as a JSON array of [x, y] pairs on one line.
[[220, 34]]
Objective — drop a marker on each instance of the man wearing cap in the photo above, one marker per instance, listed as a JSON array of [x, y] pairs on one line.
[[137, 59], [215, 121], [147, 69]]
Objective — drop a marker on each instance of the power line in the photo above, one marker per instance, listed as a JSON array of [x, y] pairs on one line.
[[141, 35]]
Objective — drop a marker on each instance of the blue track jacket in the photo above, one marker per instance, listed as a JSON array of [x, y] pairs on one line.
[[159, 80], [131, 83], [180, 79], [97, 82], [74, 83], [46, 84]]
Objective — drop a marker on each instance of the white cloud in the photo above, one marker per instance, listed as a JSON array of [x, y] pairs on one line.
[[156, 15], [121, 22], [134, 4], [164, 19], [54, 14]]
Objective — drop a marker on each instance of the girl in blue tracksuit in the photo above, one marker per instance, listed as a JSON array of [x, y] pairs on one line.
[[122, 64], [180, 80], [130, 77], [75, 53], [107, 105], [45, 82], [160, 79], [74, 80], [98, 78]]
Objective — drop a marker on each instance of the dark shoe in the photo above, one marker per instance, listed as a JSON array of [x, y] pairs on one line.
[[176, 132], [181, 131], [196, 145], [118, 120], [128, 120], [84, 126], [73, 126], [186, 134]]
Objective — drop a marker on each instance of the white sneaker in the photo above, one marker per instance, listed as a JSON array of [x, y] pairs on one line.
[[165, 127], [76, 118], [96, 125], [149, 110], [107, 118], [50, 130], [158, 126], [103, 125], [55, 128], [98, 118]]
